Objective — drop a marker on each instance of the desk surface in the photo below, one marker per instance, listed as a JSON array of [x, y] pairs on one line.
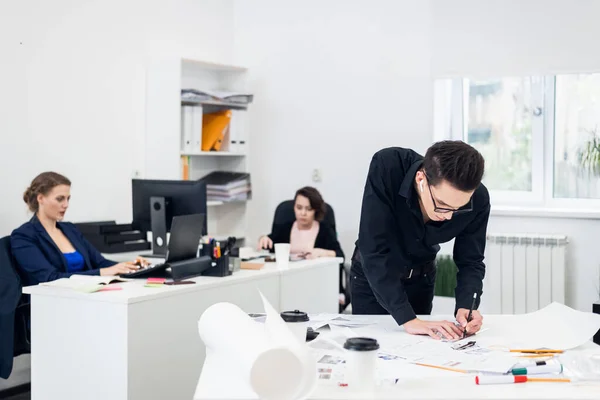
[[419, 382], [135, 291]]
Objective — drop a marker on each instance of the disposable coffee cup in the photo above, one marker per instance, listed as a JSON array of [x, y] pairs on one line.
[[297, 321], [282, 255], [361, 360]]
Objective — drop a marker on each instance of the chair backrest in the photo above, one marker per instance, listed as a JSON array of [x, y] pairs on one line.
[[10, 296], [284, 214], [10, 283]]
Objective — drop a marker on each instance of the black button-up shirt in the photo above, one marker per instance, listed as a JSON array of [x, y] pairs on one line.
[[393, 237]]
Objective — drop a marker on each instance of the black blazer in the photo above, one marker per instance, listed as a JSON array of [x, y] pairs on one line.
[[326, 238], [40, 260]]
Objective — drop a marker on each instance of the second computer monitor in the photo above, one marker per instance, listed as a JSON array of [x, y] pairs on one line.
[[156, 202]]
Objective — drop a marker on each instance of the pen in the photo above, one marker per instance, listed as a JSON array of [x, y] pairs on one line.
[[462, 371], [539, 351], [470, 313], [546, 355]]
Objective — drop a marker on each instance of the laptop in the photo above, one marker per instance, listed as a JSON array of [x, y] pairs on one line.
[[186, 232]]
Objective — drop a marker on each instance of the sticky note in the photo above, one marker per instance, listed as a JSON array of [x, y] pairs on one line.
[[156, 281], [154, 285], [109, 288]]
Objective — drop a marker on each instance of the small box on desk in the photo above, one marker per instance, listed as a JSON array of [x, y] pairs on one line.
[[596, 310]]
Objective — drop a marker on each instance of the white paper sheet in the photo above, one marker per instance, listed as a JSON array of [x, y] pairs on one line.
[[555, 327], [259, 360]]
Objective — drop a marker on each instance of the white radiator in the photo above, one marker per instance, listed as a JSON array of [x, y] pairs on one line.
[[524, 272]]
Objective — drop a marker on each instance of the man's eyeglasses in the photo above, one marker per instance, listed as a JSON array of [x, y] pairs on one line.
[[442, 210]]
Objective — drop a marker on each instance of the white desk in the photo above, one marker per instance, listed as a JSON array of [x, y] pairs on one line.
[[424, 383], [142, 343]]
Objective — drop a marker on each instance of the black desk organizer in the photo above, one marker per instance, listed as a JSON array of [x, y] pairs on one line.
[[205, 265], [219, 266]]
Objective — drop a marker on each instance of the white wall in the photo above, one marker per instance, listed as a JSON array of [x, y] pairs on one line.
[[490, 37], [72, 79], [334, 82]]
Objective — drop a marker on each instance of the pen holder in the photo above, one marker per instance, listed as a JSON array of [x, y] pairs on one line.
[[219, 267], [207, 249]]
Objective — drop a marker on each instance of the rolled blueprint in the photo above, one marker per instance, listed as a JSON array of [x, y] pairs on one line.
[[264, 358]]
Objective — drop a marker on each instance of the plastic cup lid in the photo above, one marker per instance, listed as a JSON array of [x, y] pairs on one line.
[[361, 344], [294, 316]]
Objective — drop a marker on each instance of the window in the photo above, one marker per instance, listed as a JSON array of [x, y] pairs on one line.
[[539, 135], [576, 142]]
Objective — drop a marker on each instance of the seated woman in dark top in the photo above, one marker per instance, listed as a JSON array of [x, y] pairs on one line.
[[47, 249], [307, 234]]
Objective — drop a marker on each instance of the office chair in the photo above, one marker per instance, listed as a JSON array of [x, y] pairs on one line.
[[284, 214], [14, 312]]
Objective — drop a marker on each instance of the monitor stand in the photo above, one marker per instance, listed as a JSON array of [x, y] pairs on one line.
[[158, 223]]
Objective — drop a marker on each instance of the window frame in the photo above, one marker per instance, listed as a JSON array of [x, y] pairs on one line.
[[450, 97]]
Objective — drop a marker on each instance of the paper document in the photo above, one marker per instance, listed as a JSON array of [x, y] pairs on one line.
[[321, 320], [253, 360], [84, 283], [554, 327]]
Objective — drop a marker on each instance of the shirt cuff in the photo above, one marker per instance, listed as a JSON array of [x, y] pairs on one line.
[[465, 300], [404, 314]]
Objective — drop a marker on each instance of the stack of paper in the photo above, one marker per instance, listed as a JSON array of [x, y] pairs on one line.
[[216, 95], [228, 186]]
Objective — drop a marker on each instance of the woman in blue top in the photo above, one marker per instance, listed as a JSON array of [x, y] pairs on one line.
[[46, 248]]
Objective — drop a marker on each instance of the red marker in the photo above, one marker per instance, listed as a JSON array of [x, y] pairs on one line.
[[500, 379]]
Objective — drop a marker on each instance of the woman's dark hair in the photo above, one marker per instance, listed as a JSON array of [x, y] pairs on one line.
[[456, 162], [42, 184], [315, 199]]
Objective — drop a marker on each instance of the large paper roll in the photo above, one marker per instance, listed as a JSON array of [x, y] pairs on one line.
[[265, 358]]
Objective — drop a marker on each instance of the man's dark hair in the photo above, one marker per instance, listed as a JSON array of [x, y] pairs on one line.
[[315, 199], [456, 162]]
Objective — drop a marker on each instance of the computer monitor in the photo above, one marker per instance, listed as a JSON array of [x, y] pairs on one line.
[[156, 202]]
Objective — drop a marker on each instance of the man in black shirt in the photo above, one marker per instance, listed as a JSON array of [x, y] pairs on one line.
[[410, 205]]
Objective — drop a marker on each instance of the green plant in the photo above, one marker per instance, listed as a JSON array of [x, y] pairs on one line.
[[589, 154], [445, 280]]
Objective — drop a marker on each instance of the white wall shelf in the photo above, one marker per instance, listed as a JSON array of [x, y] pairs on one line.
[[213, 154], [209, 65], [166, 157], [215, 105], [215, 203]]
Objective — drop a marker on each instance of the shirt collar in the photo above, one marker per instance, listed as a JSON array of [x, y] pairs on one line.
[[409, 177]]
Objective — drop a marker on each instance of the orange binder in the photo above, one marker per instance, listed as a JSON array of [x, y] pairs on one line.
[[214, 126]]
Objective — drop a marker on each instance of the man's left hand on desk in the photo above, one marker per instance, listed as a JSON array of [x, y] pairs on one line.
[[476, 320]]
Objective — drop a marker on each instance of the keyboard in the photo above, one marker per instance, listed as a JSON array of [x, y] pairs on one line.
[[145, 271]]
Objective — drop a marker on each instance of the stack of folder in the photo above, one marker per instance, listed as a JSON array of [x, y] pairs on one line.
[[199, 95], [110, 237], [228, 186]]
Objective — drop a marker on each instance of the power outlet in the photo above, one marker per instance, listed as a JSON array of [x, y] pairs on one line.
[[316, 175]]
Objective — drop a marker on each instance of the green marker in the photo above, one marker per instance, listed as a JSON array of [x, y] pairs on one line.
[[541, 369]]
